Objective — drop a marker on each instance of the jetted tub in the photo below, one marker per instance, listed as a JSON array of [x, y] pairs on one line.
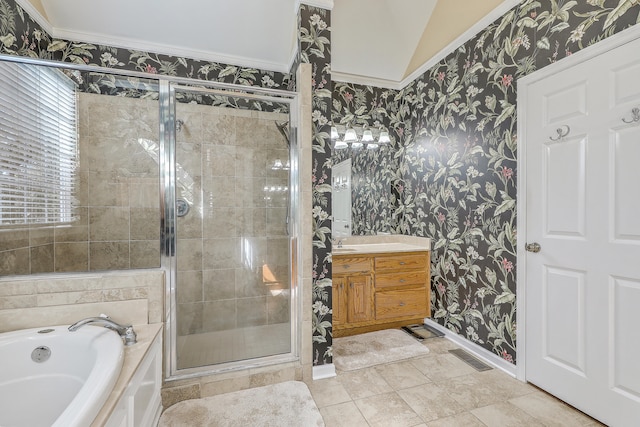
[[52, 377]]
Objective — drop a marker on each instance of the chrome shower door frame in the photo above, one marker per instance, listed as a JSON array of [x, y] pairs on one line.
[[169, 254]]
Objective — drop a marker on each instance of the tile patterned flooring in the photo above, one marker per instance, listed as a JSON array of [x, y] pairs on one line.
[[438, 390]]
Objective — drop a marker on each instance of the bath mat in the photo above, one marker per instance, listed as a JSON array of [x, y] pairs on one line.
[[375, 348], [285, 404]]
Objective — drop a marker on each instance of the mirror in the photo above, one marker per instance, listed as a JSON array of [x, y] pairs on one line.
[[79, 175], [372, 196], [341, 199]]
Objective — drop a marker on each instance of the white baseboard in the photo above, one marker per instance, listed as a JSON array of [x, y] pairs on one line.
[[324, 371], [473, 348]]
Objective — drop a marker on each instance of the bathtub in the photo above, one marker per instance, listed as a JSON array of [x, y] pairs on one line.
[[53, 377]]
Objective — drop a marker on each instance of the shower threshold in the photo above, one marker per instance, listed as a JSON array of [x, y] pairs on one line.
[[214, 348]]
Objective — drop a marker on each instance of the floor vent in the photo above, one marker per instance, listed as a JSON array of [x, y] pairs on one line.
[[470, 360], [420, 332]]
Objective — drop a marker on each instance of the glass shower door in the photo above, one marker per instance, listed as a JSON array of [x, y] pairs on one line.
[[232, 286]]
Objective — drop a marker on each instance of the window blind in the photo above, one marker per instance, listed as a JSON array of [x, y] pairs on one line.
[[38, 145]]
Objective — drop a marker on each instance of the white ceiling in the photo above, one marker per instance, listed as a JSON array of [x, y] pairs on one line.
[[372, 40], [377, 41]]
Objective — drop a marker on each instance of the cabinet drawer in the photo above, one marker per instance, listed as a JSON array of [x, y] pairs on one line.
[[401, 303], [415, 278], [392, 262], [342, 265]]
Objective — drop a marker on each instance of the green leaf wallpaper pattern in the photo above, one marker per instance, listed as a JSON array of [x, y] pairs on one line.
[[315, 48], [452, 171]]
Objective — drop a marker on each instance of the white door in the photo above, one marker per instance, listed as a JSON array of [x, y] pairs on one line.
[[341, 199], [583, 209]]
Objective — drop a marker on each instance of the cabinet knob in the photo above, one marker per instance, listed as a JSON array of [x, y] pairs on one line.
[[351, 285], [402, 304], [402, 280], [347, 266], [402, 263]]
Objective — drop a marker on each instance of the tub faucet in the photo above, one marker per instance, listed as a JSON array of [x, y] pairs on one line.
[[126, 332]]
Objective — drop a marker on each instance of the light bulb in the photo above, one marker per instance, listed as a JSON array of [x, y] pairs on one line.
[[340, 145], [384, 137], [350, 135], [367, 136]]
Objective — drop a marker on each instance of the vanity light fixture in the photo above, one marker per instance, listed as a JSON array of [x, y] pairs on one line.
[[355, 139]]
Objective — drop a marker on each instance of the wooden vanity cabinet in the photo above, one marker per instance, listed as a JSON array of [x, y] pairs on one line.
[[378, 291], [352, 291]]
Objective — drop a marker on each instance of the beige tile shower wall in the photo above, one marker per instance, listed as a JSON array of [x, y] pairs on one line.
[[236, 222], [134, 297], [119, 198], [118, 224]]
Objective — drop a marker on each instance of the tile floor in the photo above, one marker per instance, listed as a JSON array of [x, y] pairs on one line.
[[437, 390]]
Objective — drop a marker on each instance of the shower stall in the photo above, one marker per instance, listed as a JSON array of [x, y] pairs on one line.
[[230, 208], [196, 178]]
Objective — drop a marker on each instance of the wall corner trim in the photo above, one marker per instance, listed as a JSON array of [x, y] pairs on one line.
[[324, 371], [324, 4], [473, 348]]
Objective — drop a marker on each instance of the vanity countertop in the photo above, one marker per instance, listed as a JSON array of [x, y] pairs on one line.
[[355, 245], [133, 356]]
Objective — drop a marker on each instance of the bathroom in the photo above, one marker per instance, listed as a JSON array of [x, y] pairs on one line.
[[467, 271]]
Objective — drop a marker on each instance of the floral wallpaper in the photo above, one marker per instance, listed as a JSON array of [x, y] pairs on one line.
[[373, 172], [456, 156], [315, 48]]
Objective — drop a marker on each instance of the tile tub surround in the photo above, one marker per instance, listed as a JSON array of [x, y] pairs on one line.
[[117, 193], [383, 243], [134, 297], [133, 356]]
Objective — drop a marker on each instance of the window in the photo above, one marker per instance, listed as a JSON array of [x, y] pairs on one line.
[[38, 145]]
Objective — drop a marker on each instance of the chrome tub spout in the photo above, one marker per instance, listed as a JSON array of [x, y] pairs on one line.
[[126, 332]]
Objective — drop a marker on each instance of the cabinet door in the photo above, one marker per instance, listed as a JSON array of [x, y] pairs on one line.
[[359, 299], [339, 300]]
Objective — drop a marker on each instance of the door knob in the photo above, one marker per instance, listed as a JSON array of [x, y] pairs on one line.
[[532, 247]]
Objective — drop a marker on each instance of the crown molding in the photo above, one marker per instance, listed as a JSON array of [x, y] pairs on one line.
[[323, 4], [496, 13], [196, 54], [35, 15], [337, 76]]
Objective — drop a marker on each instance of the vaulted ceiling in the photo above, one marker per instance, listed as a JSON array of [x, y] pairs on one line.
[[373, 41]]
